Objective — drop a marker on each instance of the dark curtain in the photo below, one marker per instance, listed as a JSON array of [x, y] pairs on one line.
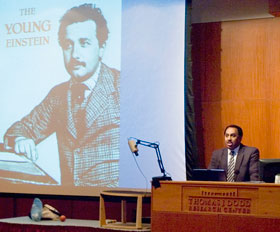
[[190, 130]]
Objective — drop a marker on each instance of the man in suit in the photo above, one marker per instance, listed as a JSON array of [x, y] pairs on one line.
[[239, 161], [84, 112]]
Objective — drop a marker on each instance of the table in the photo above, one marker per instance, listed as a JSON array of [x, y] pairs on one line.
[[123, 196]]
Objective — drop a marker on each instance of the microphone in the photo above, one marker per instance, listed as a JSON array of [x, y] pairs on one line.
[[236, 172], [133, 147]]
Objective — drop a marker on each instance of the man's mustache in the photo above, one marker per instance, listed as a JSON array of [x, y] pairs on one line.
[[74, 62]]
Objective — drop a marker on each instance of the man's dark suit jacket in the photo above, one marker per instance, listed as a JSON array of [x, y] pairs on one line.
[[93, 157], [246, 166]]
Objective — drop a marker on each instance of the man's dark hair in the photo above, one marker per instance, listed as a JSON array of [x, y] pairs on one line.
[[239, 129], [84, 13]]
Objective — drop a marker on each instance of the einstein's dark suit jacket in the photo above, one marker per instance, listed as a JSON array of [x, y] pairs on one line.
[[246, 167], [88, 159]]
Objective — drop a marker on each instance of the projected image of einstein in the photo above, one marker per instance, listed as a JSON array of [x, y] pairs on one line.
[[84, 111]]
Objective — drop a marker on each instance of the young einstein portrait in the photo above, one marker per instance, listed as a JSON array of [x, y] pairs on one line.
[[84, 111]]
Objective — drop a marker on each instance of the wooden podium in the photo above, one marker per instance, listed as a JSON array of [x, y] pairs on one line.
[[215, 206]]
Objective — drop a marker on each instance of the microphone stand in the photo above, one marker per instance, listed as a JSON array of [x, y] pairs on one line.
[[156, 179]]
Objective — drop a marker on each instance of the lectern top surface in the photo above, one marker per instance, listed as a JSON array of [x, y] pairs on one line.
[[128, 193]]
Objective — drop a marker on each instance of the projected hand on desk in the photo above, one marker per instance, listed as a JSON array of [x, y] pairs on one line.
[[15, 166], [27, 147]]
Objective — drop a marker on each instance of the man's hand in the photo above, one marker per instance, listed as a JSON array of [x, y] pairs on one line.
[[27, 147]]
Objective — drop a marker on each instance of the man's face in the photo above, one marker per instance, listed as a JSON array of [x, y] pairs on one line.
[[81, 51], [232, 138]]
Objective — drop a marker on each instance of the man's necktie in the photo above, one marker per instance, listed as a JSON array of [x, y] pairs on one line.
[[230, 173], [78, 93]]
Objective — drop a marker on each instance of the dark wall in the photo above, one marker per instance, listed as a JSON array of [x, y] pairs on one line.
[[75, 207], [206, 68]]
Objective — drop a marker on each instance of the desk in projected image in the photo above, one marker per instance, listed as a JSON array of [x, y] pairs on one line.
[[18, 169]]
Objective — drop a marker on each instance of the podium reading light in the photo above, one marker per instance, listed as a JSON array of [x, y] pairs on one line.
[[134, 149]]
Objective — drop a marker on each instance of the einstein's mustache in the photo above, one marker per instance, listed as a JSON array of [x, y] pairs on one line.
[[74, 62]]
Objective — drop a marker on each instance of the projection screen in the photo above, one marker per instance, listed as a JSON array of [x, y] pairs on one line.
[[52, 143]]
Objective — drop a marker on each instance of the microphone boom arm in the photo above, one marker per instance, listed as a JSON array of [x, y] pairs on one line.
[[156, 147]]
